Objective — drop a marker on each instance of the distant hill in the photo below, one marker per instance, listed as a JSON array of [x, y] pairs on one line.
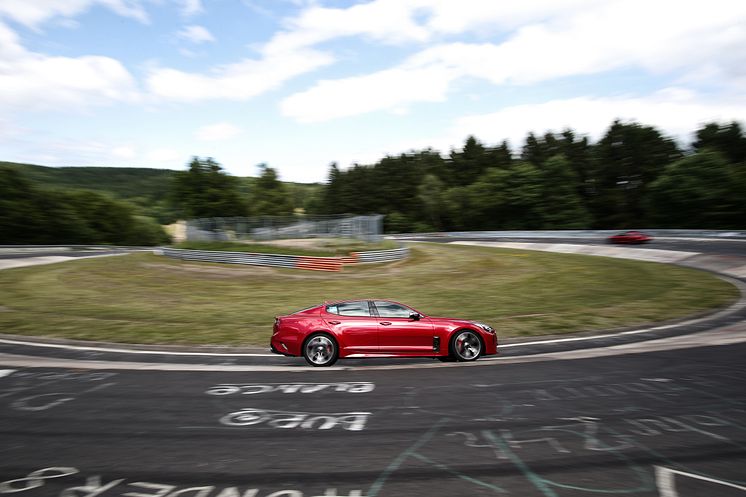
[[146, 188], [121, 182]]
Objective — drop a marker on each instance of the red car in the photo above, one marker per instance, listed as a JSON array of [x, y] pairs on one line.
[[377, 328], [630, 237]]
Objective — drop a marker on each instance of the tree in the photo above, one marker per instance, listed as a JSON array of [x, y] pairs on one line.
[[205, 190], [699, 191], [500, 157], [725, 138], [561, 207], [330, 198], [469, 163], [506, 198], [20, 217], [532, 150], [32, 215], [430, 194], [627, 159], [270, 196], [394, 182]]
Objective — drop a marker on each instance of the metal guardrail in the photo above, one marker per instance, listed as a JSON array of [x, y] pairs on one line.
[[274, 260], [287, 261], [383, 255], [672, 233]]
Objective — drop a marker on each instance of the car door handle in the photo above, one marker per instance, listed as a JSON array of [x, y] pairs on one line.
[[385, 323], [334, 322]]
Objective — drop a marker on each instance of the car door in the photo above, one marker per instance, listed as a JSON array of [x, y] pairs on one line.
[[398, 333], [354, 325]]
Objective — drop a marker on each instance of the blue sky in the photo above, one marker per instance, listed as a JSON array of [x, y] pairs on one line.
[[300, 84]]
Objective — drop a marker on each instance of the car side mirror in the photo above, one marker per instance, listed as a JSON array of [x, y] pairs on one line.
[[415, 316]]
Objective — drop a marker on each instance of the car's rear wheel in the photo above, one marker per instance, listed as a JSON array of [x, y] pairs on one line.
[[320, 350], [466, 346]]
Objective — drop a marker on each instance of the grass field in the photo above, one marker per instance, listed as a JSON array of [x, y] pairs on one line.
[[145, 298]]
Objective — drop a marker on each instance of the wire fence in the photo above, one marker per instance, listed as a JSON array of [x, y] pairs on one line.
[[367, 228]]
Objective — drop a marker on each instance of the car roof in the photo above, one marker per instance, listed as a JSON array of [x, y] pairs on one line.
[[332, 302]]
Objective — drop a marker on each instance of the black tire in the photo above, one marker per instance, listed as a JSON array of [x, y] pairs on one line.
[[466, 346], [320, 350]]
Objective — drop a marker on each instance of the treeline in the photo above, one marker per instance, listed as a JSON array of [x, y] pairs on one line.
[[143, 188], [633, 176], [206, 190], [30, 214]]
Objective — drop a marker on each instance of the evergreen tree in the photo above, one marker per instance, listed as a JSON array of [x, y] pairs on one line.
[[500, 157], [205, 190], [469, 163], [331, 197], [270, 196], [430, 193], [699, 191], [561, 207], [627, 159], [728, 139]]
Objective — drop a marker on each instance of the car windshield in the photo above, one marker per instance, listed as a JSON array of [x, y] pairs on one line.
[[392, 310]]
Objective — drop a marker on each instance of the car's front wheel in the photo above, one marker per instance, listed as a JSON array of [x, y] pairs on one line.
[[320, 350], [466, 346]]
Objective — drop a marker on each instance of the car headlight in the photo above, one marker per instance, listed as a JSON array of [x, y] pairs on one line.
[[486, 327]]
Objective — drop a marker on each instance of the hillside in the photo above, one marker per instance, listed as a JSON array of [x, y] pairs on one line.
[[121, 182], [147, 189]]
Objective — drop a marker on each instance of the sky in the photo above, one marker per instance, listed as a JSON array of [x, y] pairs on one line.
[[299, 84]]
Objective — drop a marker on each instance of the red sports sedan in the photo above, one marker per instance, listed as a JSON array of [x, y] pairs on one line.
[[630, 237], [377, 328]]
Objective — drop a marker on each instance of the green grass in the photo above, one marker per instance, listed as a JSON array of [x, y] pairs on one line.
[[145, 298], [323, 248]]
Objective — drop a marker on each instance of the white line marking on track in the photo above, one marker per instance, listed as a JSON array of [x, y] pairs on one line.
[[129, 351], [664, 478], [6, 372]]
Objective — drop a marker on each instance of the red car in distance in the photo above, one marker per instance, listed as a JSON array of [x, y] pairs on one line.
[[377, 328], [630, 237]]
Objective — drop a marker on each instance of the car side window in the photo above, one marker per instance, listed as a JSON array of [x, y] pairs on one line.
[[358, 308], [391, 310]]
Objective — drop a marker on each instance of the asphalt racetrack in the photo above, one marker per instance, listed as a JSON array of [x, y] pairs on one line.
[[627, 424], [664, 417]]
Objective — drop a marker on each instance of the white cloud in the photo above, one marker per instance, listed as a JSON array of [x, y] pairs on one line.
[[37, 146], [387, 89], [390, 21], [217, 132], [191, 8], [289, 53], [239, 81], [675, 111], [686, 39], [196, 34], [33, 13], [30, 80]]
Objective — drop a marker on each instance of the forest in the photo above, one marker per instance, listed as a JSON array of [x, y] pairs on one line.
[[633, 176]]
